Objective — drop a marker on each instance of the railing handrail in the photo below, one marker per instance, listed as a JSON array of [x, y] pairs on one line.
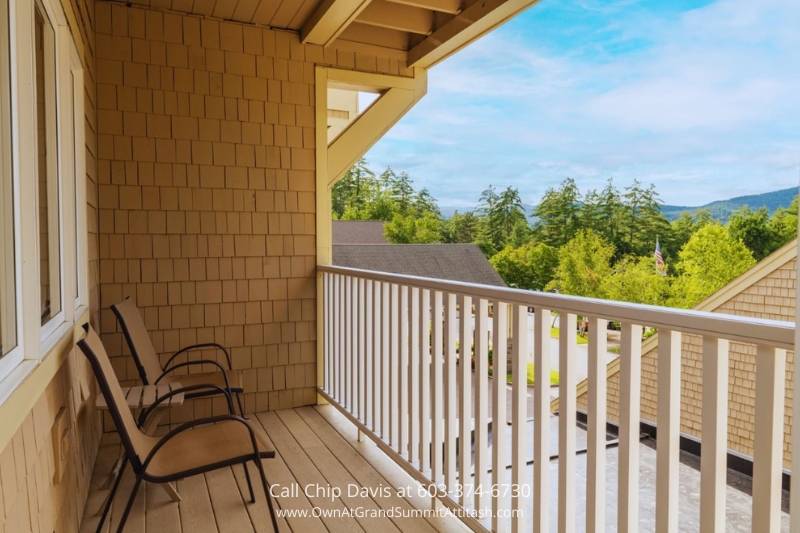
[[779, 334]]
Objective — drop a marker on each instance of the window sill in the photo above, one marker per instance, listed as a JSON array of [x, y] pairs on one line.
[[54, 338], [15, 378]]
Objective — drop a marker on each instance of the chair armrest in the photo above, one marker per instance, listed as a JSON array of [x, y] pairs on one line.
[[200, 362], [161, 399], [200, 347], [200, 422]]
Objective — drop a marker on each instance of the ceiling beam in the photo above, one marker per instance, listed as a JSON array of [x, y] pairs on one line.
[[444, 6], [397, 17], [476, 20], [383, 37], [330, 19]]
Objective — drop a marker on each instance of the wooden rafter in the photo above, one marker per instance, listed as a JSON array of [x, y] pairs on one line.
[[397, 16], [476, 20], [330, 19], [444, 6]]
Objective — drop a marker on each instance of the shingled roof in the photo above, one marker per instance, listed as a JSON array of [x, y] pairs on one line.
[[358, 232], [454, 262]]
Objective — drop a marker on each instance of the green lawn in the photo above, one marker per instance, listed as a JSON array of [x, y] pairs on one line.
[[581, 340], [553, 375]]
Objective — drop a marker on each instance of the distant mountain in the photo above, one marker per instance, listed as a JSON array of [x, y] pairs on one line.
[[722, 209]]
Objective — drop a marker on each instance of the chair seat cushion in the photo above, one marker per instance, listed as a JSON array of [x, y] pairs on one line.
[[211, 378], [205, 448]]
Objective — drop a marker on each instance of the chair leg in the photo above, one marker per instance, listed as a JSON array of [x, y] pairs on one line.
[[129, 505], [272, 515], [239, 401], [112, 493], [249, 483]]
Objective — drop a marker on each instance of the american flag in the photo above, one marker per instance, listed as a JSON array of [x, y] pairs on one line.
[[659, 259]]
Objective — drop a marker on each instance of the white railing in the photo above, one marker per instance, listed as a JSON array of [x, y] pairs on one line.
[[392, 365]]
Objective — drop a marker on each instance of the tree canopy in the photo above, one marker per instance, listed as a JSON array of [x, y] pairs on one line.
[[599, 244]]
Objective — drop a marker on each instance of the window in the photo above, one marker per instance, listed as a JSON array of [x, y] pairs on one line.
[[50, 294], [8, 283], [77, 149], [42, 186]]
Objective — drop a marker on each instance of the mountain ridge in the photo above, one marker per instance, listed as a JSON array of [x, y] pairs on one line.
[[720, 209]]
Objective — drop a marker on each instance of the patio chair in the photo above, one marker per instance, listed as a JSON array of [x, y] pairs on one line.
[[150, 369], [192, 448]]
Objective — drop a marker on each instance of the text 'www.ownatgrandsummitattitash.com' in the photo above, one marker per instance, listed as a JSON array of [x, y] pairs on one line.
[[314, 492]]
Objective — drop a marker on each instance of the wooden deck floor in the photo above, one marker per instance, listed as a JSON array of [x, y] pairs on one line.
[[316, 446]]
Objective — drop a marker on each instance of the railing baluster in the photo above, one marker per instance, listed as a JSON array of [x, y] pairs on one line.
[[413, 376], [541, 421], [714, 435], [377, 358], [519, 411], [386, 326], [341, 320], [437, 385], [330, 332], [394, 365], [368, 405], [669, 426], [403, 371], [566, 421], [499, 356], [481, 403], [348, 345], [596, 430], [425, 381], [465, 396], [630, 389], [362, 301], [768, 438], [450, 390]]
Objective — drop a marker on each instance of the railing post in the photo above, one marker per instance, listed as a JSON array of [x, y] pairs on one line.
[[768, 438], [394, 369], [596, 430], [669, 419], [386, 326], [368, 406], [714, 436], [630, 399], [403, 370]]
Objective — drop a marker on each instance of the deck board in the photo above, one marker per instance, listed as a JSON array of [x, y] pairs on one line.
[[314, 445]]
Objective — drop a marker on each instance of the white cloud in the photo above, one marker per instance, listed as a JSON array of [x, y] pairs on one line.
[[702, 104]]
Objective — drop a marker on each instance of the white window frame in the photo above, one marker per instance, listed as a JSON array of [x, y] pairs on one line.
[[8, 92], [66, 132]]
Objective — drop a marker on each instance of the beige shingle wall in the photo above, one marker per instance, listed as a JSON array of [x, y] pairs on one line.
[[206, 163], [63, 427], [772, 297]]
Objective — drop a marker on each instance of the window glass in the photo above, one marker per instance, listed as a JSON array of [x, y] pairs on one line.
[[8, 295], [47, 165]]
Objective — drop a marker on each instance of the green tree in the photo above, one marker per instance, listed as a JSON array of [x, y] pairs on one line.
[[349, 191], [583, 265], [461, 228], [602, 211], [784, 223], [642, 221], [635, 279], [753, 229], [558, 214], [530, 266], [707, 263], [412, 229]]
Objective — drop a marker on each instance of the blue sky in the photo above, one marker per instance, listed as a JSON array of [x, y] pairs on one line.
[[700, 98]]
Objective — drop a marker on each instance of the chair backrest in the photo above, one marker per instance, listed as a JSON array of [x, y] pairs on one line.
[[142, 349], [137, 444]]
